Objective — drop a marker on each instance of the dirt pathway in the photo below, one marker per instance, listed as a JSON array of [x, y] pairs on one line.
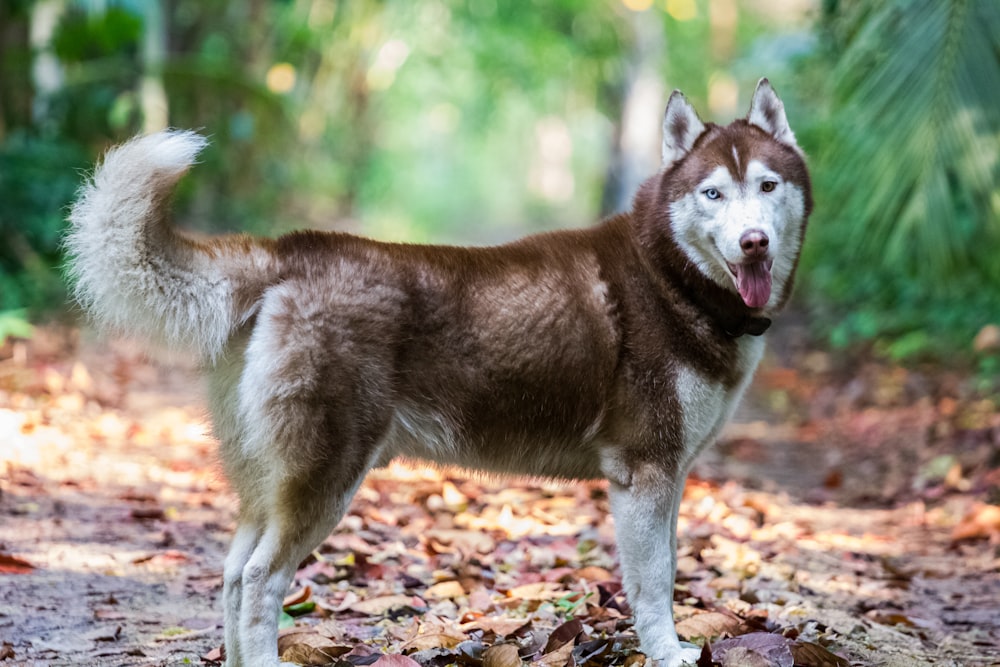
[[825, 518]]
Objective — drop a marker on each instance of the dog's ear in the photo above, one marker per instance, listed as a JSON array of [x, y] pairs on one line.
[[681, 128], [768, 113]]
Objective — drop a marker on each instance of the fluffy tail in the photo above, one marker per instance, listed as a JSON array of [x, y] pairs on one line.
[[133, 273]]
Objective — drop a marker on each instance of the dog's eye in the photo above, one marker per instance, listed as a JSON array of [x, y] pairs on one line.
[[712, 193], [768, 186]]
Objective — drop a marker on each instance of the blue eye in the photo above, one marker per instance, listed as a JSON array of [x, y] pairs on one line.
[[712, 193]]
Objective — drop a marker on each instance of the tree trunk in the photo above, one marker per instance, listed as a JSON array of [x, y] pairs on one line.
[[152, 95], [636, 150], [46, 71]]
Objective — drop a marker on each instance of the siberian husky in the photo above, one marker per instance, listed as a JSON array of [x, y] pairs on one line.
[[614, 352]]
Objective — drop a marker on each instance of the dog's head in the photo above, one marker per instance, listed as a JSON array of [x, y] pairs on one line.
[[738, 196]]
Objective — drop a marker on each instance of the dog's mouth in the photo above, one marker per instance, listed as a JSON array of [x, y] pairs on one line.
[[753, 281]]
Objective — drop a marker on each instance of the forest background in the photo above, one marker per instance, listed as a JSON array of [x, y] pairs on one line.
[[478, 121], [849, 515]]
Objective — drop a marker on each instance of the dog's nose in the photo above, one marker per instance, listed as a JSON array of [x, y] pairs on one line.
[[754, 243]]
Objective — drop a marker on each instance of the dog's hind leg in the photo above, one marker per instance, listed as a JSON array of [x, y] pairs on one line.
[[247, 535], [301, 516], [314, 414]]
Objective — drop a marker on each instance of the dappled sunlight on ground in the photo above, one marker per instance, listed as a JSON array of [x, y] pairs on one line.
[[829, 525]]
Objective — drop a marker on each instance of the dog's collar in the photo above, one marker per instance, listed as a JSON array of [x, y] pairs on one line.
[[729, 313], [754, 326]]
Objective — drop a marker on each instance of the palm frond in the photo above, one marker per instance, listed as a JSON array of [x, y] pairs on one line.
[[916, 156]]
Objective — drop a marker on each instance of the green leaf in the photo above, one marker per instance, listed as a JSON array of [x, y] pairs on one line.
[[300, 609], [14, 324]]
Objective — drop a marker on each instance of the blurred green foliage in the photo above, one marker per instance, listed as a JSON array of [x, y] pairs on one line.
[[37, 178], [481, 120], [902, 250]]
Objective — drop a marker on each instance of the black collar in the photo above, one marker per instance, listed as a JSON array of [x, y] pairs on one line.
[[722, 306], [725, 308], [754, 326]]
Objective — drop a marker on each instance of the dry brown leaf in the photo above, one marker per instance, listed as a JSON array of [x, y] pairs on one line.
[[808, 654], [13, 565], [298, 597], [289, 636], [757, 649], [982, 521], [564, 634], [558, 657], [380, 605], [498, 625], [501, 655], [742, 657], [309, 648], [541, 591], [215, 655], [593, 573], [453, 540], [395, 660], [635, 660], [480, 600], [709, 624], [454, 500], [444, 639], [445, 590], [888, 617]]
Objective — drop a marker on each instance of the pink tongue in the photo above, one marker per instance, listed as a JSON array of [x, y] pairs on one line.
[[754, 283]]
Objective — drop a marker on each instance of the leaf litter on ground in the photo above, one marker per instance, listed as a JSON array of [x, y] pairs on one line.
[[857, 526]]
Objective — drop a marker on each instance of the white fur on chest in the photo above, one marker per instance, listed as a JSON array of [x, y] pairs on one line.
[[707, 404]]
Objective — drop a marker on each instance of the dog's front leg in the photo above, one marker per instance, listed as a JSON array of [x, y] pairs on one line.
[[645, 511]]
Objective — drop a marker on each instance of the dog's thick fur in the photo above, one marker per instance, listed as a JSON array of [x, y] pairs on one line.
[[612, 352]]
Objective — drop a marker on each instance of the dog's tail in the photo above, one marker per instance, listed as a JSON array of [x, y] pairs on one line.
[[134, 274]]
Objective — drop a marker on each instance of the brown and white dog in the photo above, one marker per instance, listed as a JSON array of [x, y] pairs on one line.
[[612, 352]]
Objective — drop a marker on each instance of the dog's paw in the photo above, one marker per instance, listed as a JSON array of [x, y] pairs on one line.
[[686, 656]]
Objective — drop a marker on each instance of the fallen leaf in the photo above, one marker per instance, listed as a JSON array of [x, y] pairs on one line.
[[558, 657], [982, 521], [309, 648], [454, 500], [148, 513], [565, 633], [480, 600], [593, 650], [757, 649], [215, 655], [501, 655], [470, 652], [807, 654], [540, 591], [635, 660], [445, 590], [498, 625], [593, 573], [13, 565], [380, 605], [453, 540], [433, 640], [887, 617], [298, 597], [709, 625]]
